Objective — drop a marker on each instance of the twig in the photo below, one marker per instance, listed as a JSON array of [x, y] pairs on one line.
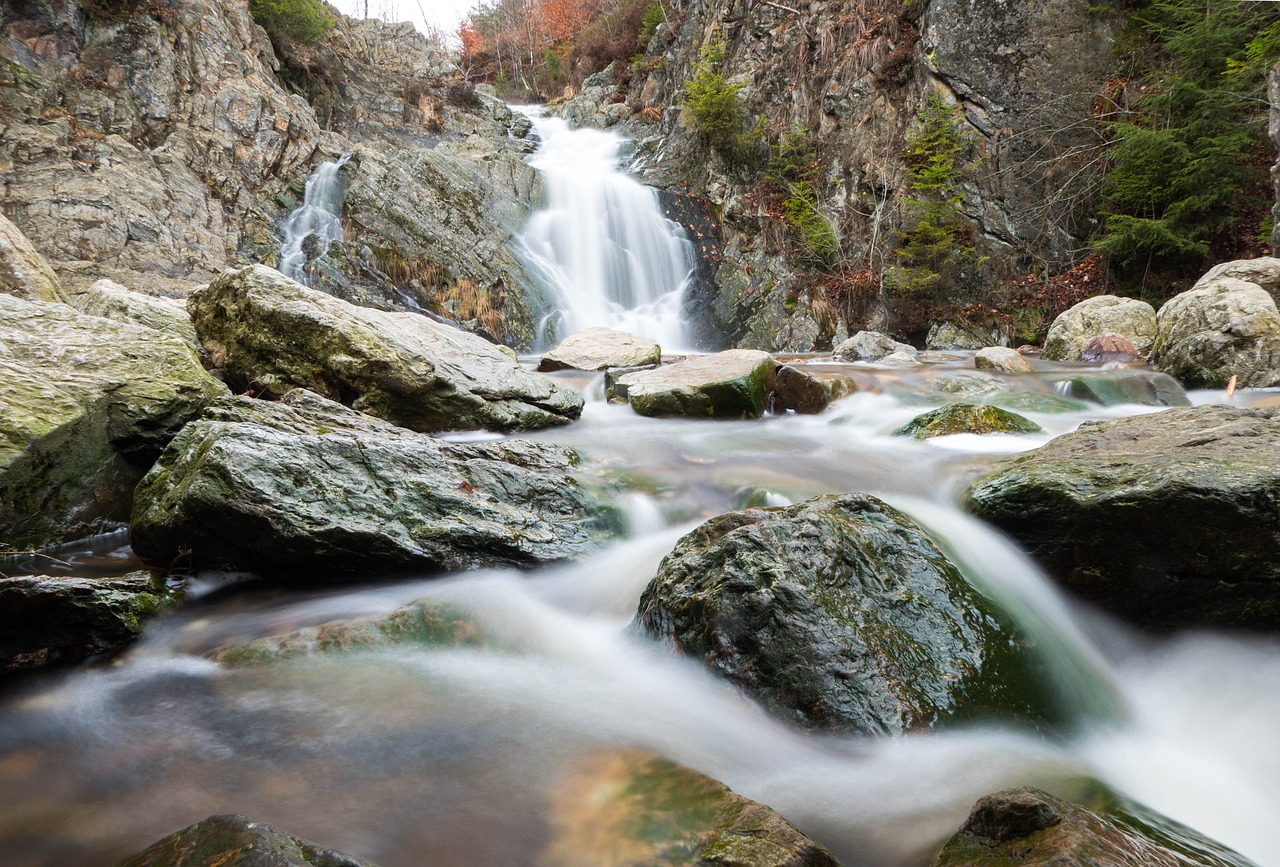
[[33, 554]]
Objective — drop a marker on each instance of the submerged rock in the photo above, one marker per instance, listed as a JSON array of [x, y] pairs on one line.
[[1221, 329], [110, 300], [58, 619], [1030, 827], [839, 613], [808, 390], [872, 346], [309, 488], [86, 405], [268, 333], [1103, 314], [236, 841], [1168, 519], [976, 418], [600, 349], [1116, 387], [1001, 359], [730, 384], [627, 808]]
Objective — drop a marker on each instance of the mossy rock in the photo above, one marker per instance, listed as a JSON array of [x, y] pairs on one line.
[[1142, 387], [236, 841], [958, 418], [839, 613], [730, 384]]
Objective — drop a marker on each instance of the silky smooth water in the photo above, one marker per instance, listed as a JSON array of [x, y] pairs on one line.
[[320, 214], [455, 756], [600, 244]]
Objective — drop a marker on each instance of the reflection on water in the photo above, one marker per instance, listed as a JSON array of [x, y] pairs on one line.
[[455, 754]]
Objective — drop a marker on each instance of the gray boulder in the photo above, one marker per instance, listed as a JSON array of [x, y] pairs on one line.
[[730, 384], [306, 487], [110, 300], [951, 335], [236, 841], [1001, 359], [872, 346], [840, 614], [1128, 317], [86, 405], [58, 619], [1168, 520], [975, 418], [600, 349], [808, 390], [1264, 271], [24, 273], [267, 333], [1220, 329]]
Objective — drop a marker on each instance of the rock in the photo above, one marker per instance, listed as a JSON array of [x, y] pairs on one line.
[[58, 619], [615, 388], [1108, 347], [871, 346], [1030, 827], [1103, 314], [1167, 519], [730, 384], [627, 808], [236, 841], [968, 384], [268, 333], [426, 622], [110, 300], [1264, 271], [951, 335], [839, 614], [86, 405], [1117, 387], [24, 273], [599, 349], [808, 390], [308, 488], [1001, 359], [900, 359], [973, 418], [1220, 329]]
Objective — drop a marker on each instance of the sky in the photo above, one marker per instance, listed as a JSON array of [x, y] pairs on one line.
[[444, 15]]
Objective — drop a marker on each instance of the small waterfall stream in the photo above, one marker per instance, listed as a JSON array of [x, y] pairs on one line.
[[601, 244], [320, 214]]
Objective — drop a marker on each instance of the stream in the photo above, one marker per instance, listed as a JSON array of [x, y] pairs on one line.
[[458, 756]]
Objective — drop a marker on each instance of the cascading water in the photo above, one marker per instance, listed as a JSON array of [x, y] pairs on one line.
[[601, 245], [319, 215]]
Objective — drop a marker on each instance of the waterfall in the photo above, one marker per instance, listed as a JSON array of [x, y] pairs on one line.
[[320, 214], [601, 245]]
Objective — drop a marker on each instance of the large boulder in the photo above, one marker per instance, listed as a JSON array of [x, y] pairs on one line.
[[975, 418], [627, 808], [600, 349], [1264, 271], [308, 487], [58, 619], [1169, 519], [236, 841], [86, 405], [871, 346], [1103, 314], [730, 384], [839, 613], [1033, 828], [270, 334], [23, 271], [1220, 329], [110, 300]]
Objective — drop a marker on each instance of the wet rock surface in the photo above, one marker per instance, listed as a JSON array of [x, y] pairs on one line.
[[808, 390], [730, 384], [839, 614], [600, 349], [308, 488], [270, 334], [972, 418], [1117, 387], [1169, 520], [85, 406], [1001, 359], [872, 346], [237, 841], [110, 300]]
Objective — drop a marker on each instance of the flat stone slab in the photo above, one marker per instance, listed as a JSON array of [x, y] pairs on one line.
[[600, 349], [730, 384]]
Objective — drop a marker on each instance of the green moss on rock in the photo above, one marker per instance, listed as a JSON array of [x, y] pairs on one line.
[[966, 418]]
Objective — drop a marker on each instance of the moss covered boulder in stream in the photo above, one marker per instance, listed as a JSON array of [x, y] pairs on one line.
[[269, 334], [1169, 520], [237, 841], [86, 405], [307, 487], [730, 384], [839, 613], [955, 418]]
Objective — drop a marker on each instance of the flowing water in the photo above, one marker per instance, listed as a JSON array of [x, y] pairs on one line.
[[458, 756], [320, 214], [601, 245]]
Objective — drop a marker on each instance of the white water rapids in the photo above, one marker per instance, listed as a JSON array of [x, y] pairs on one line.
[[448, 756]]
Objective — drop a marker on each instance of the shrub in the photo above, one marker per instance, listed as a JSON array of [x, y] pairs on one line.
[[292, 23], [711, 103]]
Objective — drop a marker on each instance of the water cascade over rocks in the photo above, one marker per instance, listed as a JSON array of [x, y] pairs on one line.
[[319, 215], [601, 244]]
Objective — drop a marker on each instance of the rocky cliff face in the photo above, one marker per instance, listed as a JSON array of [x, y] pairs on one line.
[[157, 146], [853, 74]]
